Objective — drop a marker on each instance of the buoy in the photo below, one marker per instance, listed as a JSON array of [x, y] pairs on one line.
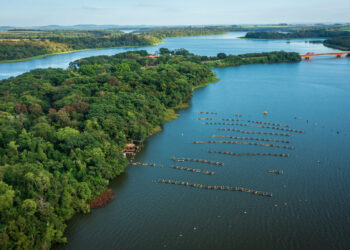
[[265, 112]]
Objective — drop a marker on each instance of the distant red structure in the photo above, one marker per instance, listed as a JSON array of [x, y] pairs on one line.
[[311, 54]]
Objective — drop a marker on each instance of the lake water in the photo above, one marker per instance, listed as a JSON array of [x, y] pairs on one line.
[[310, 207], [205, 45]]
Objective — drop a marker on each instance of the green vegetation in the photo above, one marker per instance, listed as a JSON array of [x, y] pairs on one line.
[[19, 44], [223, 60], [62, 131], [342, 43], [310, 33], [162, 33]]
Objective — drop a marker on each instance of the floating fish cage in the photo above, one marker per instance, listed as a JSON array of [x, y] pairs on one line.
[[273, 171], [208, 113], [252, 132], [252, 125], [247, 154], [207, 118], [193, 170], [247, 143], [228, 119], [143, 164], [269, 123], [215, 187], [251, 138], [197, 160]]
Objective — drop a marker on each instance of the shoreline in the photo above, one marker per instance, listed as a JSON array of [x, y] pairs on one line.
[[71, 51]]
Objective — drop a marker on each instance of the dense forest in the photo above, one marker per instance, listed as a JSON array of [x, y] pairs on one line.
[[62, 131], [19, 44], [342, 43], [309, 33], [189, 31]]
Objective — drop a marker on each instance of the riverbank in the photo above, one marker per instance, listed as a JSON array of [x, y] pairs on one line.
[[341, 43], [73, 51]]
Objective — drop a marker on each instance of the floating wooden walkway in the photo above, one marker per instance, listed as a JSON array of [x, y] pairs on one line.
[[143, 164], [214, 113], [250, 138], [247, 143], [269, 123], [253, 125], [248, 154], [193, 170], [252, 132], [226, 188], [228, 119], [208, 113], [197, 160], [208, 119], [273, 171]]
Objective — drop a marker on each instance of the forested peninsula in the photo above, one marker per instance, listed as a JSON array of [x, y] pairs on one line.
[[62, 131], [342, 43], [307, 33]]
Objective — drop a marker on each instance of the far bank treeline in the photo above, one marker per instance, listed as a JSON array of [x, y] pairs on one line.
[[342, 43], [21, 44], [308, 33], [62, 131]]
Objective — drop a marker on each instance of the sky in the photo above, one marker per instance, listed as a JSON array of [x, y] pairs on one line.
[[171, 12]]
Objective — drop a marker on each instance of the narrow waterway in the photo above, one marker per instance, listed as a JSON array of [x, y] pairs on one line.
[[310, 207]]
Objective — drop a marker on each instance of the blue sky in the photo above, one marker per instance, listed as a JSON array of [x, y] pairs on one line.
[[171, 12]]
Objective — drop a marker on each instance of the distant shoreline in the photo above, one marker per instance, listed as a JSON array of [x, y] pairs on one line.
[[68, 52]]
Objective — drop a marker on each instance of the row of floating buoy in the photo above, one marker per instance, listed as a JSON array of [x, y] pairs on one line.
[[193, 170], [248, 154], [232, 124], [251, 132], [197, 160], [143, 164], [215, 187], [247, 143], [251, 138], [252, 125], [208, 113], [269, 123], [228, 119], [207, 118], [273, 171]]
